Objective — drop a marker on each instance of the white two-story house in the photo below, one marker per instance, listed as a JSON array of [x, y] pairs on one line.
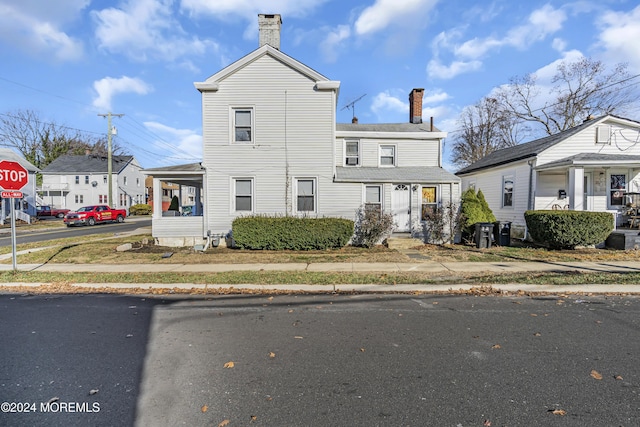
[[271, 146], [73, 181]]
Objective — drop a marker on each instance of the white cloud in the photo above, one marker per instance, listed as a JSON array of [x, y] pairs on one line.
[[620, 35], [186, 141], [147, 27], [384, 102], [36, 28], [108, 87], [559, 44], [435, 97], [331, 44], [385, 13], [436, 69]]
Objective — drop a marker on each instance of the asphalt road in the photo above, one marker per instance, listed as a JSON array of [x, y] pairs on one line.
[[30, 236], [356, 360]]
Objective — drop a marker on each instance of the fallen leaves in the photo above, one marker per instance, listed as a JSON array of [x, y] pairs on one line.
[[223, 423], [618, 378], [561, 412], [204, 409], [596, 375], [496, 346], [272, 354], [229, 365]]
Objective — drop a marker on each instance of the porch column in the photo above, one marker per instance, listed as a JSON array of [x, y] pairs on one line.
[[157, 198], [576, 189]]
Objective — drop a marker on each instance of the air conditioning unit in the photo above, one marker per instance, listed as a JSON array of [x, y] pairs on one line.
[[352, 161], [603, 135]]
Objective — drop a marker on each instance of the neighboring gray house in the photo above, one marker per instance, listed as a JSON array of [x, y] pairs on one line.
[[592, 167], [271, 146], [73, 181], [25, 207]]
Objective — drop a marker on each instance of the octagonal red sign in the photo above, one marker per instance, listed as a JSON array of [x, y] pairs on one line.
[[13, 176]]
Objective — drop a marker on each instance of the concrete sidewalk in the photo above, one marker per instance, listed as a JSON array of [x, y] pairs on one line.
[[436, 268]]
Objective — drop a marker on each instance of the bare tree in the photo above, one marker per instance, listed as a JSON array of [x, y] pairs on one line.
[[485, 127], [42, 142], [581, 89]]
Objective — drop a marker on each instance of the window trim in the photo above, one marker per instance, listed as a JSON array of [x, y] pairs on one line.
[[394, 158], [314, 181], [232, 123], [508, 178], [347, 156], [233, 207], [365, 203]]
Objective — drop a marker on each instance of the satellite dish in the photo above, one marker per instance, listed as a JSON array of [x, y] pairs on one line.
[[94, 183]]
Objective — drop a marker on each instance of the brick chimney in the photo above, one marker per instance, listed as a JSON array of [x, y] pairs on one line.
[[415, 105], [269, 27]]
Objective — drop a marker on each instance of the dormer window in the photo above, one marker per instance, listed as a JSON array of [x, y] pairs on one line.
[[352, 153]]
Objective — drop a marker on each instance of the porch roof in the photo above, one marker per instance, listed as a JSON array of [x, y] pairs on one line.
[[593, 160], [411, 175]]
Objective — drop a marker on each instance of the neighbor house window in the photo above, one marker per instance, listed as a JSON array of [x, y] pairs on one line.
[[86, 179], [77, 179], [137, 182], [617, 189], [242, 124], [124, 180], [429, 201], [507, 191], [79, 198], [102, 199], [243, 195], [373, 198], [104, 179], [123, 200], [387, 155], [305, 195], [352, 153]]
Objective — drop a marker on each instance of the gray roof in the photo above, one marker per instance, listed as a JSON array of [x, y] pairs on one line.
[[12, 156], [70, 164], [414, 174], [591, 158], [191, 167], [385, 127], [526, 150]]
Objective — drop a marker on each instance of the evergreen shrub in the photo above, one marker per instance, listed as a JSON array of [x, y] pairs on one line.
[[140, 209], [568, 229], [290, 233]]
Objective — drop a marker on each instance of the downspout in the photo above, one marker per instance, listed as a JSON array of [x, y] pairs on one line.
[[530, 203]]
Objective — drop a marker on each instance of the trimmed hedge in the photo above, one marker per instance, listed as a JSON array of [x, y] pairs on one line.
[[140, 209], [568, 229], [292, 233], [474, 209]]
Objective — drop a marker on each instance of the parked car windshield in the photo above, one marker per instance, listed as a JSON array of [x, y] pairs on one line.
[[85, 209]]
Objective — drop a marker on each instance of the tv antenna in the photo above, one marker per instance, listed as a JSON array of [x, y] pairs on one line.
[[352, 105]]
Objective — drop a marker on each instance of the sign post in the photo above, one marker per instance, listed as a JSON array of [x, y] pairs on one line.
[[13, 177]]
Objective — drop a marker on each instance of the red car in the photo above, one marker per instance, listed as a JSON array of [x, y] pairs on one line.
[[91, 215]]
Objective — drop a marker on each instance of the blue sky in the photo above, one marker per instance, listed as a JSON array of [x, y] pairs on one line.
[[70, 60]]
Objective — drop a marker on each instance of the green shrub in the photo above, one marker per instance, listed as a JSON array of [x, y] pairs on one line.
[[140, 209], [292, 233], [568, 229], [175, 204], [371, 226], [474, 208]]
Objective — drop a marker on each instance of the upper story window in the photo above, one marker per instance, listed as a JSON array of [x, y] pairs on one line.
[[77, 179], [104, 179], [306, 195], [242, 119], [86, 179], [125, 180], [507, 191], [243, 190], [137, 182], [352, 153], [387, 155], [617, 189]]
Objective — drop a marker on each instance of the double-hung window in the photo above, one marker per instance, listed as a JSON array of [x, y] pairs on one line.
[[387, 155], [306, 195], [242, 125], [617, 189], [373, 198], [86, 179], [507, 191], [243, 195], [352, 153], [429, 202]]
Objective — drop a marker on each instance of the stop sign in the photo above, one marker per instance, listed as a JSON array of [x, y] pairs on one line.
[[13, 176]]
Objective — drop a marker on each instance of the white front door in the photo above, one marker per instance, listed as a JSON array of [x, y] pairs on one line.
[[401, 207]]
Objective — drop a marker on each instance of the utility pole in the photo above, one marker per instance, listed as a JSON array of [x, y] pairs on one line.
[[110, 131]]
